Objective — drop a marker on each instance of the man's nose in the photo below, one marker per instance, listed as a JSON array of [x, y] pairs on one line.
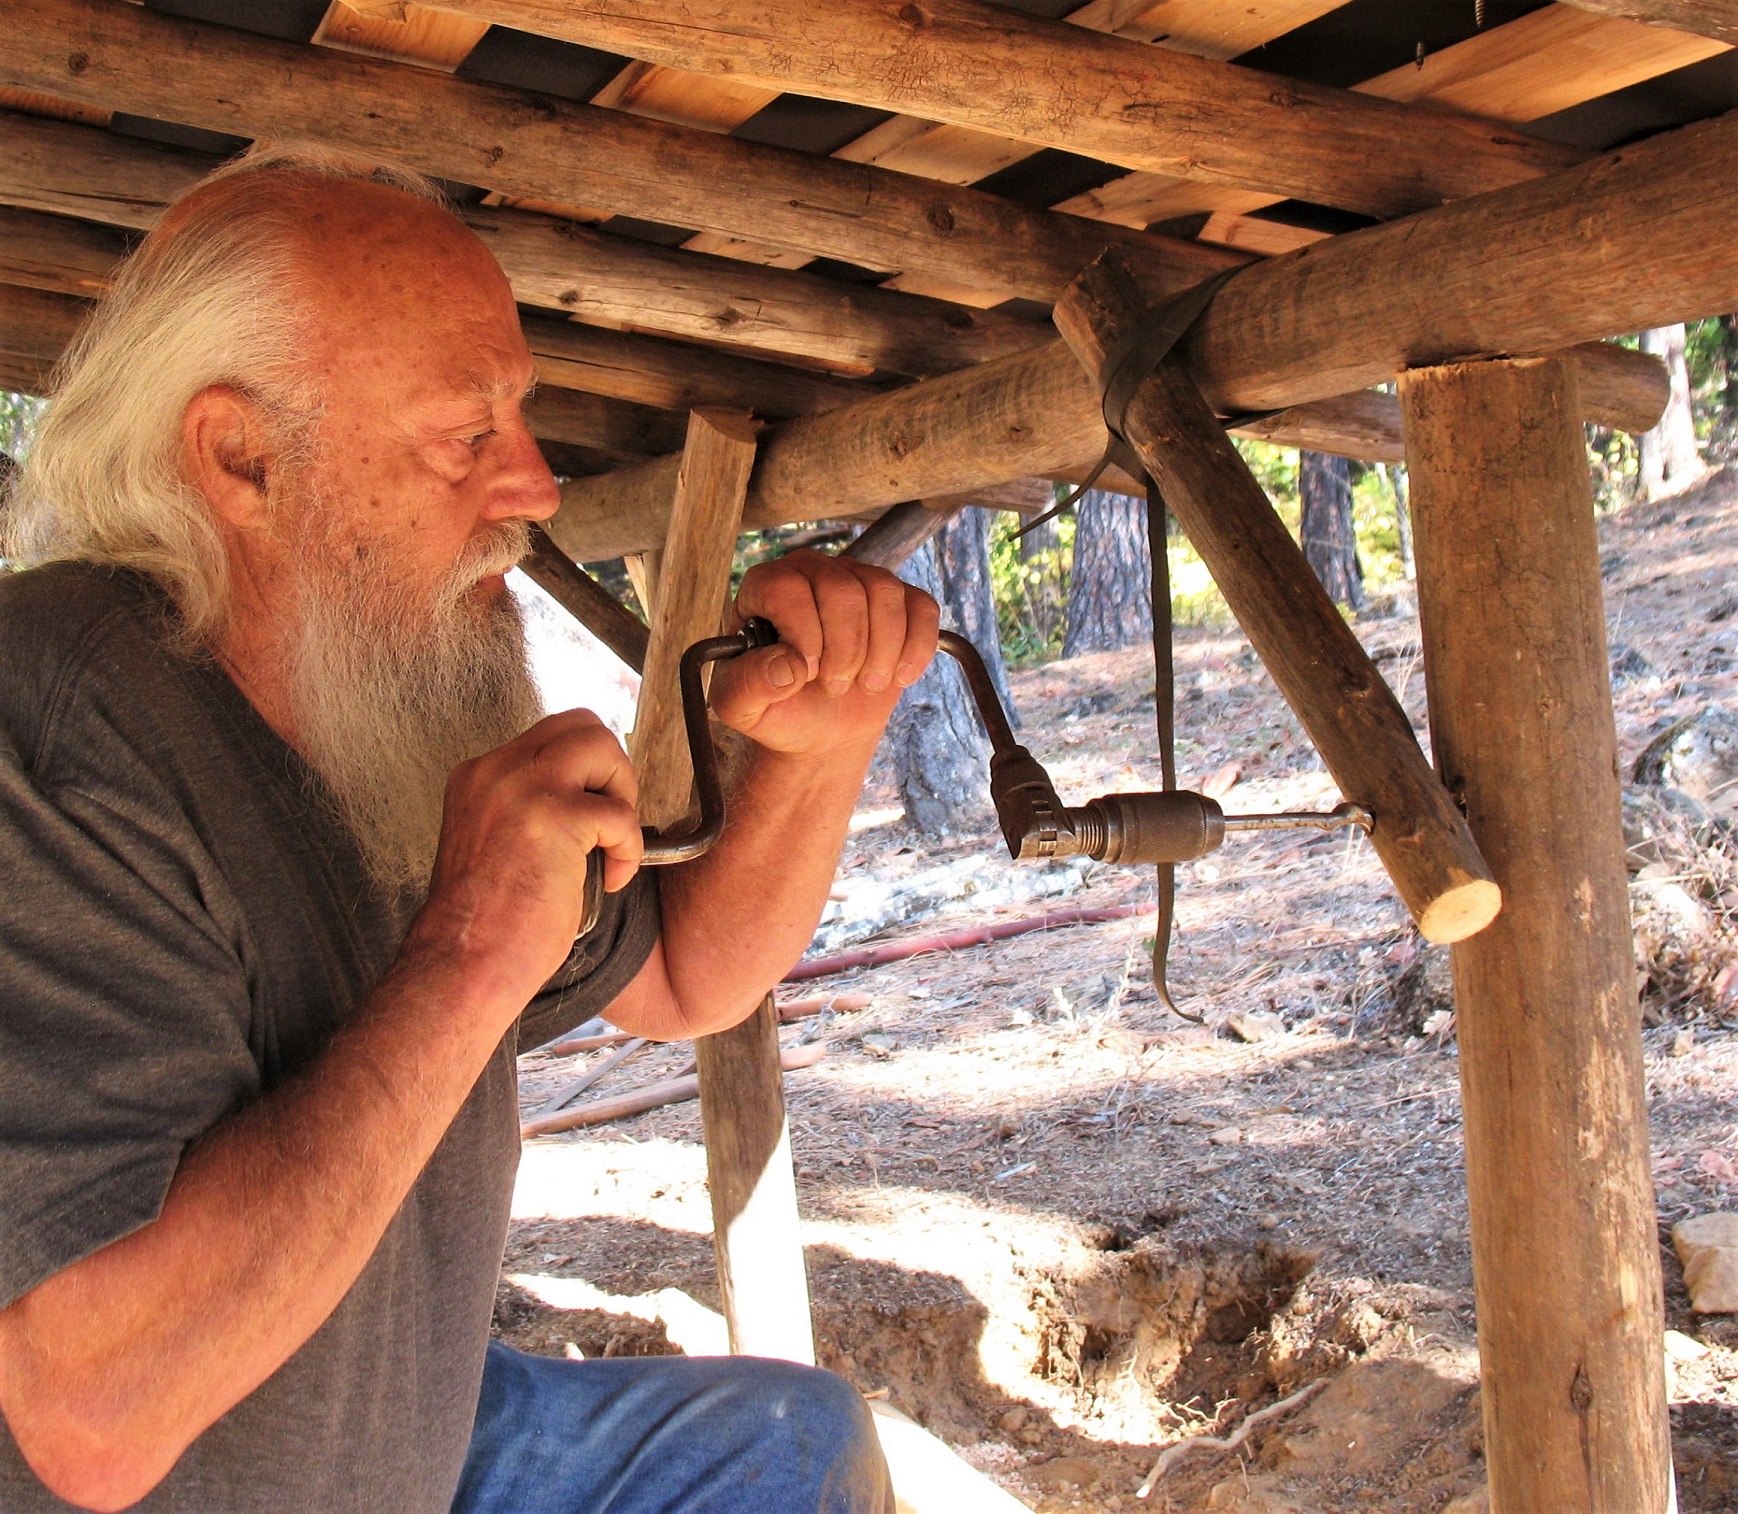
[[522, 486]]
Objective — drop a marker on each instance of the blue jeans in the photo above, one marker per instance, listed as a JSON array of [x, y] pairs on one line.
[[669, 1435]]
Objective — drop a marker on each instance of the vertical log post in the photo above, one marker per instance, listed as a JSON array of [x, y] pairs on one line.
[[754, 1199], [1565, 1256]]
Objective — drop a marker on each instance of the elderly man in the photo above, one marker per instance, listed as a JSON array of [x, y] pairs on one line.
[[292, 866]]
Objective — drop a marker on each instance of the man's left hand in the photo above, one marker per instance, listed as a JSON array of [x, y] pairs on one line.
[[852, 638]]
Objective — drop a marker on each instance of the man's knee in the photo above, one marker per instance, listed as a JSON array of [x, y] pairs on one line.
[[828, 1427]]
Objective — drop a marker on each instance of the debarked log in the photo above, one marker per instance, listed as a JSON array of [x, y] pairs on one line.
[[1029, 415], [1356, 723]]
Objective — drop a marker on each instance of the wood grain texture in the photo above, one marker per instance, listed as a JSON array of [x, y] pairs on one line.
[[1545, 61], [1065, 87], [1565, 1253], [586, 600], [598, 278], [1710, 18], [1027, 416], [753, 1186], [1541, 63], [414, 33], [756, 1233], [1351, 716], [650, 370], [705, 515], [1643, 236], [52, 252], [615, 428], [126, 57], [36, 326]]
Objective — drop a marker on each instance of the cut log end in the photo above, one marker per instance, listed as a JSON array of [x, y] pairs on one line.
[[1461, 911]]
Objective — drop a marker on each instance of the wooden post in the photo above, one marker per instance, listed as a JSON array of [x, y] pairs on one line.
[[754, 1196], [1327, 678], [586, 600], [1565, 1255]]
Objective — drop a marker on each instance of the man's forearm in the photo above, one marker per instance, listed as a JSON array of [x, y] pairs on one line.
[[110, 1368], [736, 919]]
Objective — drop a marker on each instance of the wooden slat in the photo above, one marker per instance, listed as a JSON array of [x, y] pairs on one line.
[[685, 99], [1711, 18], [407, 33], [521, 144], [1061, 86], [1542, 63], [705, 516], [1201, 28], [602, 279], [753, 1187]]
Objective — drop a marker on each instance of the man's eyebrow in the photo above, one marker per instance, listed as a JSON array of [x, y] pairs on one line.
[[499, 386]]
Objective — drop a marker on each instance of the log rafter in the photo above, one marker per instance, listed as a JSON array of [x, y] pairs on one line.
[[1537, 266], [1710, 18], [594, 276], [125, 57], [1066, 87]]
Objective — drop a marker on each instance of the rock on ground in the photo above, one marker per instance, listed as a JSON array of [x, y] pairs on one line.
[[1708, 1248]]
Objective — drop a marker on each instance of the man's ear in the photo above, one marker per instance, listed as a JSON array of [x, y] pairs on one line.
[[223, 436]]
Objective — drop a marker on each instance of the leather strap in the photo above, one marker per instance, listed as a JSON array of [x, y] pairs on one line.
[[1126, 365]]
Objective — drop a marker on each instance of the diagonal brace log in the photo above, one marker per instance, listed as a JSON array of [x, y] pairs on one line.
[[1353, 718]]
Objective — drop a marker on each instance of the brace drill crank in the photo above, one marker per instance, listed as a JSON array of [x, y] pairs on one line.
[[700, 837]]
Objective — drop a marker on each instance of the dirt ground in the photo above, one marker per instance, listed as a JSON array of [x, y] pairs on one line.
[[1064, 1229]]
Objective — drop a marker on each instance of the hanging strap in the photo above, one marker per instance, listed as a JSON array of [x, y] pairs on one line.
[[1130, 361], [1137, 352]]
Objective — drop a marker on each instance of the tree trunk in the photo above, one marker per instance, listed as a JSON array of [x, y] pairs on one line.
[[968, 604], [1110, 597], [1043, 583], [1729, 363], [1324, 487], [935, 741], [1669, 458], [1395, 473]]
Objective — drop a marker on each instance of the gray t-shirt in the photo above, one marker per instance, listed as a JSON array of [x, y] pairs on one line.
[[183, 924]]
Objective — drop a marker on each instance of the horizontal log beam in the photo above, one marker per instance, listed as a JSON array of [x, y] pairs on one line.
[[598, 278], [1061, 86], [1028, 415], [1706, 18], [37, 324], [649, 370], [125, 57], [57, 253], [615, 282], [1644, 236]]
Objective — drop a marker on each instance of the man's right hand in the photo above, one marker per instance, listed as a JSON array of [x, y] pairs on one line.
[[507, 894]]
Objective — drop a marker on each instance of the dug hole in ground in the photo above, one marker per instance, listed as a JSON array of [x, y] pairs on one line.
[[1064, 1230]]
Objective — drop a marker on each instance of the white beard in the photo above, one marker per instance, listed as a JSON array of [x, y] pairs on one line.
[[392, 685]]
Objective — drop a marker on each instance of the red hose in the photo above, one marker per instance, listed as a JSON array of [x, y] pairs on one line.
[[975, 935]]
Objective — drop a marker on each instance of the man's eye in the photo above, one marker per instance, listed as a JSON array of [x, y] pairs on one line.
[[475, 442]]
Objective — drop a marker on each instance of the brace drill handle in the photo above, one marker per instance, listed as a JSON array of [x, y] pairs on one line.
[[699, 838]]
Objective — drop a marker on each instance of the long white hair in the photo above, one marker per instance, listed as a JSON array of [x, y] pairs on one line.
[[218, 294]]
